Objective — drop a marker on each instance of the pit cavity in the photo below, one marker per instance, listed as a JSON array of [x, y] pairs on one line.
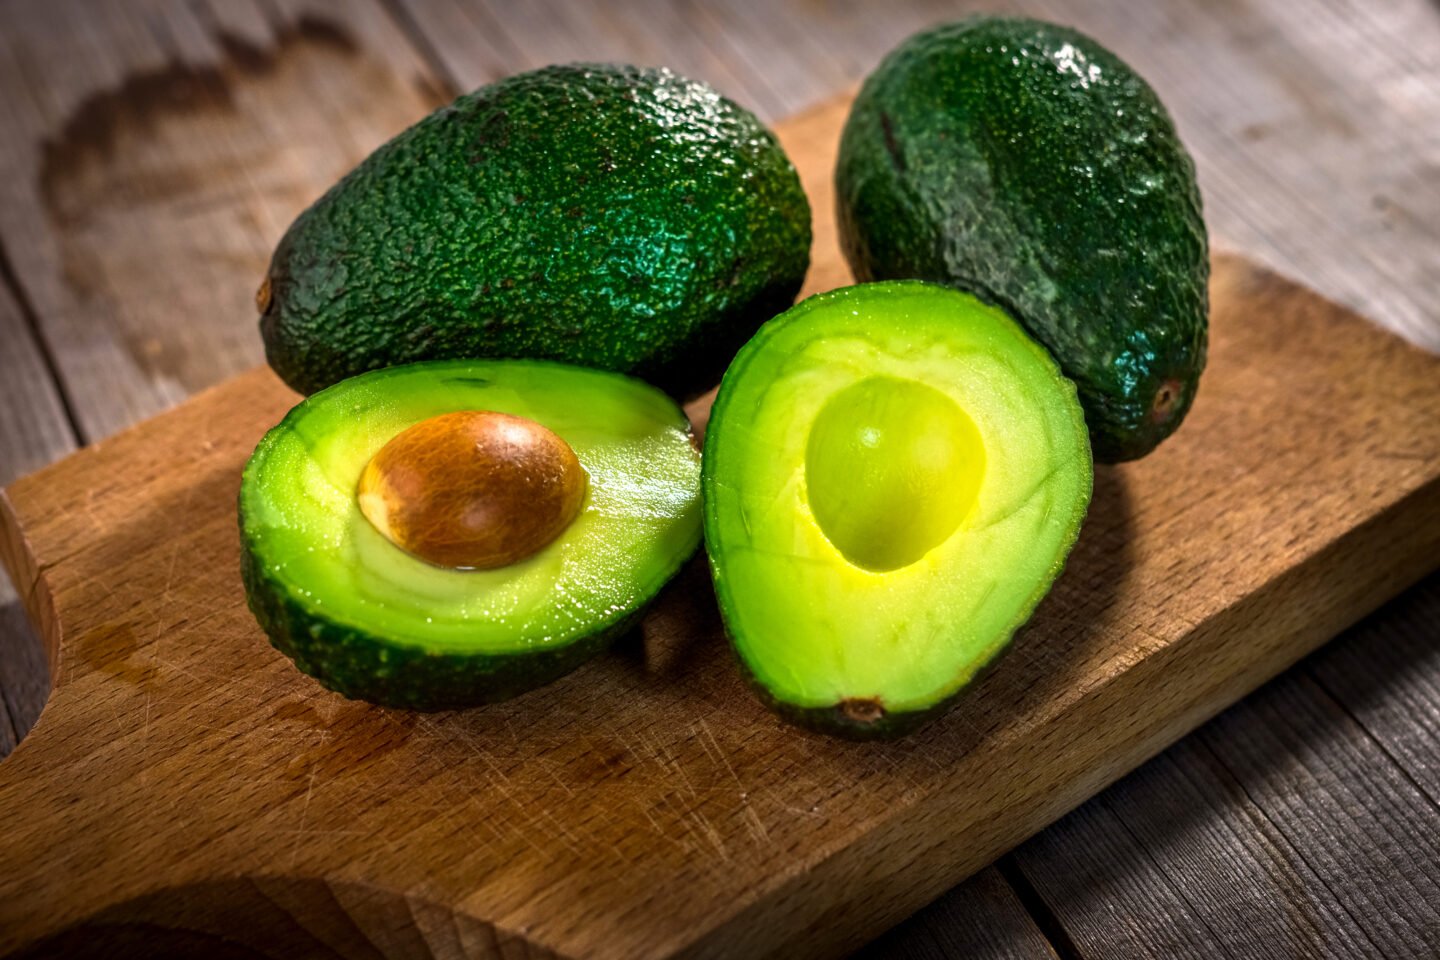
[[892, 467]]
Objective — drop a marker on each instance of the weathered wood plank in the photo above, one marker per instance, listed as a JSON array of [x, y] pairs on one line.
[[981, 919], [34, 427], [24, 677], [153, 154], [480, 42], [34, 430], [1281, 827], [1389, 682]]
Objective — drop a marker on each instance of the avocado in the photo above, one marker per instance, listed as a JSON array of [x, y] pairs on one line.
[[893, 476], [609, 216], [1025, 163], [454, 532]]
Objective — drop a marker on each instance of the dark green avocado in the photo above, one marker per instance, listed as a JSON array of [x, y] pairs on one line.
[[893, 476], [1024, 162], [336, 594], [610, 216]]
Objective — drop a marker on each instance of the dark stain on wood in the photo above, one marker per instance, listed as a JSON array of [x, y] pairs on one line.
[[95, 129], [298, 711], [167, 192], [114, 652]]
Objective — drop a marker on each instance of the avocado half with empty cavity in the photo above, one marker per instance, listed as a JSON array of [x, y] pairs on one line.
[[893, 476], [455, 532]]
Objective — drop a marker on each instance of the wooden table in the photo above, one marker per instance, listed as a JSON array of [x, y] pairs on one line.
[[154, 151]]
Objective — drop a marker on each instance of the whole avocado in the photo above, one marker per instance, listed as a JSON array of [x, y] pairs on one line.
[[611, 216], [1024, 162]]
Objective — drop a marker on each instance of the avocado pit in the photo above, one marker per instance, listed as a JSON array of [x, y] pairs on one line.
[[474, 489]]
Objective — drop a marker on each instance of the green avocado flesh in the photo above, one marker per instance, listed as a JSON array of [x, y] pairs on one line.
[[1025, 163], [609, 216], [371, 621], [893, 475]]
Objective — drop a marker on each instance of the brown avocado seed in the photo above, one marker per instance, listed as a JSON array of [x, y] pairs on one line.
[[472, 490]]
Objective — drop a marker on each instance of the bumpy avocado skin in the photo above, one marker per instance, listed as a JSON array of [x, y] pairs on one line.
[[360, 666], [610, 216], [1024, 162]]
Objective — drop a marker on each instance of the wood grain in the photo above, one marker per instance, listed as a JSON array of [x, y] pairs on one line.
[[35, 429], [181, 759], [34, 426], [143, 186], [982, 919], [153, 153], [1281, 826], [1309, 123], [1387, 678]]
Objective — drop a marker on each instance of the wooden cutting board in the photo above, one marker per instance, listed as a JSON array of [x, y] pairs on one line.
[[185, 781]]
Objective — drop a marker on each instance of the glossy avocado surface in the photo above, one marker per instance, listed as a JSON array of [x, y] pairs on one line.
[[609, 216], [1027, 164], [376, 622], [893, 476]]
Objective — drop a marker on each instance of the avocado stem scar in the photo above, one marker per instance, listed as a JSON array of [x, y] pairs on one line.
[[862, 710], [1166, 399]]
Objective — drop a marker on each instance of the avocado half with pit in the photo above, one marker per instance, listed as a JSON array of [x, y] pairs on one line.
[[456, 532], [893, 476]]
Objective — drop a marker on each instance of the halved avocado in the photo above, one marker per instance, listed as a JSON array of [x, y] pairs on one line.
[[893, 475], [347, 592]]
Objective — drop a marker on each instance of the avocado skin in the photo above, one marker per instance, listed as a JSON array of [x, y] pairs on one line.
[[610, 216], [1025, 163], [360, 666], [888, 725]]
